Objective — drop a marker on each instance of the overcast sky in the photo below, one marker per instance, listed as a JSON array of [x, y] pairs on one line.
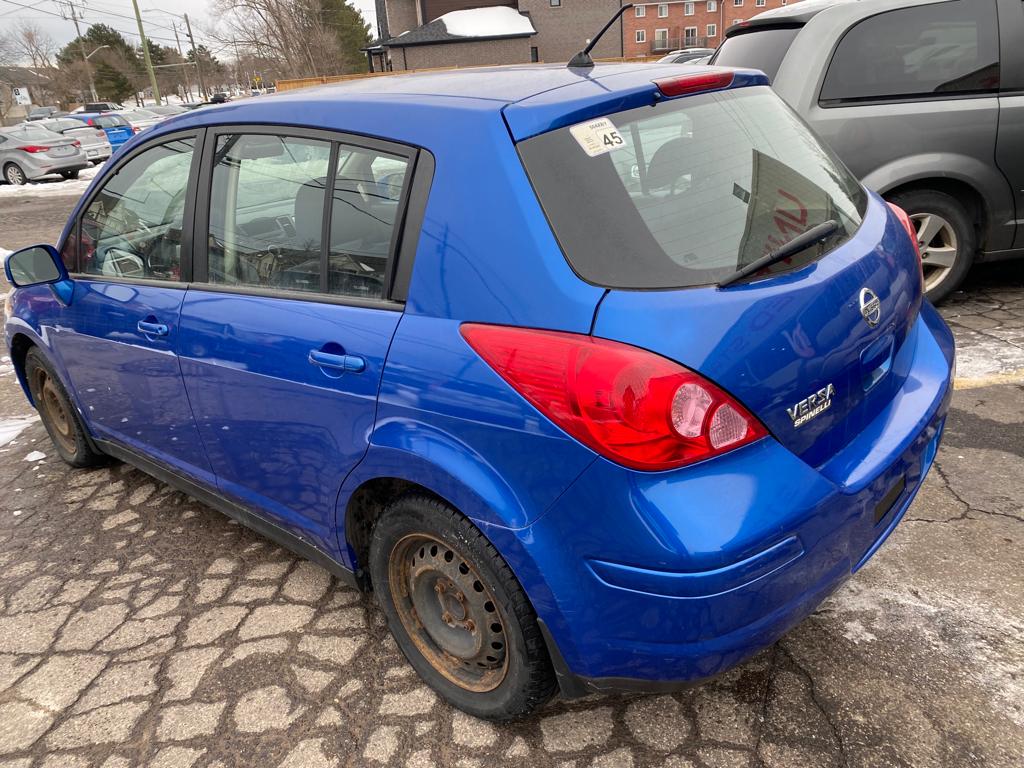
[[119, 15]]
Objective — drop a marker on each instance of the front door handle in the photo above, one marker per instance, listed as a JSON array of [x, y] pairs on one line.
[[153, 329], [344, 363]]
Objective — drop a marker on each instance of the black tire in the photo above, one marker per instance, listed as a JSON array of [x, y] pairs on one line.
[[919, 204], [58, 414], [70, 174], [14, 175], [518, 678]]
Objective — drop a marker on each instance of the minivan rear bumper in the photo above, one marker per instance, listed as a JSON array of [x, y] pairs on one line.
[[654, 581]]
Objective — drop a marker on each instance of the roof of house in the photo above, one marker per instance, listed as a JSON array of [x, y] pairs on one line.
[[473, 25], [24, 76]]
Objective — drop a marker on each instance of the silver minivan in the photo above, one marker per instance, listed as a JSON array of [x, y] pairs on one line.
[[922, 99]]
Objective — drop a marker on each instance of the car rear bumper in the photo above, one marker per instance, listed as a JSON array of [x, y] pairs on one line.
[[41, 167], [654, 581]]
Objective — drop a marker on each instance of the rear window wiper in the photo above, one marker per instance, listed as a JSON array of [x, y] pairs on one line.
[[804, 240]]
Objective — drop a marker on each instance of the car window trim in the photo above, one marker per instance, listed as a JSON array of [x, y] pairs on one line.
[[204, 188], [412, 227], [901, 98], [187, 216]]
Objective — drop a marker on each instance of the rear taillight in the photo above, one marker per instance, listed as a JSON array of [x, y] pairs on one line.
[[911, 230], [629, 405], [33, 149], [696, 83], [134, 129], [76, 143]]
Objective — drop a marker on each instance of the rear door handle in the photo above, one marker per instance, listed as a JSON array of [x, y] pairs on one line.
[[346, 363], [153, 329]]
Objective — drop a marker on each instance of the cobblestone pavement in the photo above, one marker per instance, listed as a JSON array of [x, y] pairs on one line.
[[138, 627]]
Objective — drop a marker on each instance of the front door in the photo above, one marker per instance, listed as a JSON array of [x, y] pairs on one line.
[[119, 334], [286, 329]]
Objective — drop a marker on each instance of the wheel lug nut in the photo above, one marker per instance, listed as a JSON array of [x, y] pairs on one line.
[[470, 625]]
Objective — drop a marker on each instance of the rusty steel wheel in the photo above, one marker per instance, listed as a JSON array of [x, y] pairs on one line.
[[58, 414], [448, 612], [53, 409], [457, 611]]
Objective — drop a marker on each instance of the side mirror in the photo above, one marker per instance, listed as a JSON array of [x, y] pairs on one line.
[[39, 265]]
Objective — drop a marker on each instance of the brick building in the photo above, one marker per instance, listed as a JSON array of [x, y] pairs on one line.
[[655, 28], [419, 34]]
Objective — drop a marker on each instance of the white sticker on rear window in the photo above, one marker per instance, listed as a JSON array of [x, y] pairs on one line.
[[598, 137]]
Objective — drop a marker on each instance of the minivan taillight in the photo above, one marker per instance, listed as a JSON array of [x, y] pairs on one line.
[[629, 405], [911, 230]]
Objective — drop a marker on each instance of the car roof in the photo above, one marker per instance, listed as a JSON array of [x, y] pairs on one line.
[[802, 12]]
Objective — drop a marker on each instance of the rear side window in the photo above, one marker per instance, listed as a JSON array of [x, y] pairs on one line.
[[688, 191], [940, 49], [109, 121], [762, 49]]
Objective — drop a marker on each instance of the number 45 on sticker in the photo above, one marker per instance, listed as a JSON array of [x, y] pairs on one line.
[[598, 137]]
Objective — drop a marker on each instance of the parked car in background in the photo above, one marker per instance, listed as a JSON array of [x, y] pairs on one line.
[[168, 110], [40, 113], [141, 119], [94, 140], [29, 152], [118, 129], [220, 98], [921, 100], [101, 106], [621, 433], [687, 56]]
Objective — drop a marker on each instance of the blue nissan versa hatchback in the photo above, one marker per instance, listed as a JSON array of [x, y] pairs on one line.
[[603, 379]]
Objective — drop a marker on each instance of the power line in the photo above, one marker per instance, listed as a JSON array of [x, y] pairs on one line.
[[59, 16]]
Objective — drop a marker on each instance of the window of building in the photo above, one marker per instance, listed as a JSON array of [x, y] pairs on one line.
[[688, 9], [663, 11], [712, 6], [661, 39], [736, 21], [939, 49], [690, 36], [759, 3], [712, 30], [534, 54], [737, 2], [641, 35], [133, 226], [641, 11], [556, 3]]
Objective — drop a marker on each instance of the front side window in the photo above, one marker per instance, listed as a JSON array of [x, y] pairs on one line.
[[928, 50], [272, 199], [685, 192], [133, 226]]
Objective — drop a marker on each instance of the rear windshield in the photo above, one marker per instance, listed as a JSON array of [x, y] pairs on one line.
[[686, 192], [762, 49], [109, 121], [35, 132]]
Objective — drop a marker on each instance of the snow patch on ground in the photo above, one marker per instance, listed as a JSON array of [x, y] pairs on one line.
[[487, 22], [52, 186], [35, 456], [11, 428]]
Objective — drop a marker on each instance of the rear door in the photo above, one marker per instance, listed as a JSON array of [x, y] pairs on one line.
[[289, 320], [700, 186], [118, 336], [1010, 144]]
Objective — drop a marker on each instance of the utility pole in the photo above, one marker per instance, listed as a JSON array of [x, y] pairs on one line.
[[145, 53], [81, 46], [199, 67], [184, 70]]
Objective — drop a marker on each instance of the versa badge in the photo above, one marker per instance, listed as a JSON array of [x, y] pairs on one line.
[[811, 406]]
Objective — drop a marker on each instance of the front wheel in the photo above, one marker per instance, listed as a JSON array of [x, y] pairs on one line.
[[457, 611], [58, 414], [14, 175], [945, 237]]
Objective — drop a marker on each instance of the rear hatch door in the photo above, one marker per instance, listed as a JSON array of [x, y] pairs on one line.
[[685, 192]]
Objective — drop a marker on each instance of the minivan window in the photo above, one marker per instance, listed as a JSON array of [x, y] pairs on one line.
[[945, 48], [762, 49], [690, 190], [132, 227]]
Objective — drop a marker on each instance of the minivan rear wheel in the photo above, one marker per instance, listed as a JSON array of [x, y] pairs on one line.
[[945, 236], [58, 414], [457, 611]]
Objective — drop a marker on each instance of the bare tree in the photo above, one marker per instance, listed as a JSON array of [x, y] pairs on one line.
[[34, 45]]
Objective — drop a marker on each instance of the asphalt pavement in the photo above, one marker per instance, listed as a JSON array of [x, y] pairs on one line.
[[140, 628]]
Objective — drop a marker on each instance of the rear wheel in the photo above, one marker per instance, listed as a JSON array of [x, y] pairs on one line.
[[58, 414], [70, 174], [945, 237], [14, 175], [457, 611]]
